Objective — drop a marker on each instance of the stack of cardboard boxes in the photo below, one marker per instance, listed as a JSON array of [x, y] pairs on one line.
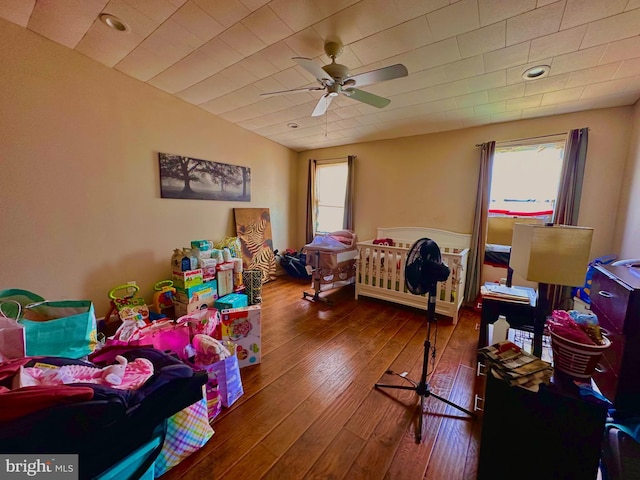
[[212, 286]]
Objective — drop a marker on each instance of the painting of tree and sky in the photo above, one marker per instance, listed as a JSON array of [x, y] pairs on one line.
[[185, 177]]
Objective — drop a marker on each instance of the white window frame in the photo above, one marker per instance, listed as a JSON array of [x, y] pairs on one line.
[[502, 146], [316, 197]]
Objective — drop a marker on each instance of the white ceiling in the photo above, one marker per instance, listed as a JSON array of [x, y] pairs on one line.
[[465, 58]]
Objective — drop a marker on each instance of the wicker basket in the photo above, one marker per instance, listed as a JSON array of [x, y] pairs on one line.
[[576, 359], [252, 280]]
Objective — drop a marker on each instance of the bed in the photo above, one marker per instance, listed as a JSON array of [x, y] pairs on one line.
[[332, 259], [498, 247], [381, 263]]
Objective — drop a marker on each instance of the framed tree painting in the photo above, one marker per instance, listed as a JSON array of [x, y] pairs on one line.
[[253, 228], [192, 178]]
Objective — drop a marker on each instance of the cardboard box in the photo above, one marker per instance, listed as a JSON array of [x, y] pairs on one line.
[[187, 279], [203, 299], [233, 300], [186, 295], [202, 245], [225, 281], [242, 327]]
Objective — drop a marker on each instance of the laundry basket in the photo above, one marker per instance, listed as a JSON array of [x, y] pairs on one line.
[[576, 359]]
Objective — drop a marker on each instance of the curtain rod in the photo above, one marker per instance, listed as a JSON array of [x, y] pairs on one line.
[[337, 158], [528, 138]]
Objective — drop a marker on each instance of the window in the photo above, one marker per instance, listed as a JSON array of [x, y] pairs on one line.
[[330, 194], [526, 178]]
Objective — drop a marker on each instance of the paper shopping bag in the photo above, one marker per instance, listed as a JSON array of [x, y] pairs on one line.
[[64, 328], [11, 334], [227, 374], [202, 321], [187, 431], [17, 300]]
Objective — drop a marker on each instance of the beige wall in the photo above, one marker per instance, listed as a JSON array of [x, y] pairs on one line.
[[628, 226], [81, 209], [431, 180]]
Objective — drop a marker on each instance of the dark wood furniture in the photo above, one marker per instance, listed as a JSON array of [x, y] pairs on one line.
[[550, 434], [518, 315], [615, 299]]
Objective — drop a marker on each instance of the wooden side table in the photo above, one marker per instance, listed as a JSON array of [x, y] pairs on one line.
[[518, 315]]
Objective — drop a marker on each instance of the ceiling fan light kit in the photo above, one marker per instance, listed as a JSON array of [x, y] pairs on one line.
[[336, 79]]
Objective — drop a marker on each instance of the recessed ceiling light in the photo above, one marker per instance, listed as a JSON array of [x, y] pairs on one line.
[[536, 72], [114, 22], [292, 125]]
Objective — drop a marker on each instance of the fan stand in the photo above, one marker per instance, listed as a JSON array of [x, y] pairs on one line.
[[422, 387]]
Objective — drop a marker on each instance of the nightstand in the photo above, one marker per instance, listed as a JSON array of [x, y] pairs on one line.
[[550, 434], [518, 315]]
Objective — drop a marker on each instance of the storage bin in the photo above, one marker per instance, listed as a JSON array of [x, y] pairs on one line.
[[128, 467], [576, 359]]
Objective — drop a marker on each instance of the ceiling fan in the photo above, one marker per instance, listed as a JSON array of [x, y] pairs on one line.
[[337, 79]]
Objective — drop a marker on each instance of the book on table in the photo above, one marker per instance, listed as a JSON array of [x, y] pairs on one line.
[[516, 366], [509, 294]]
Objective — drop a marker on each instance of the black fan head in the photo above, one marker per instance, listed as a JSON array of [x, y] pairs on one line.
[[424, 267]]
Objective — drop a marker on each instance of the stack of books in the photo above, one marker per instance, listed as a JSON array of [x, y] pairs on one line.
[[508, 294], [515, 366]]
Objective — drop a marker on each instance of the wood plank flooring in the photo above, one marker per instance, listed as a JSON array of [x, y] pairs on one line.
[[310, 409]]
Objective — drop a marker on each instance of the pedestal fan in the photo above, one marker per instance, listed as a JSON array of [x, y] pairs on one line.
[[423, 270]]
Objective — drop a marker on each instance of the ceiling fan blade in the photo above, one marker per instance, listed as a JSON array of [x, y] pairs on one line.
[[322, 105], [366, 97], [314, 69], [380, 75], [295, 90]]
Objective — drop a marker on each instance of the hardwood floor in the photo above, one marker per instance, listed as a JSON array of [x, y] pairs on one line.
[[310, 409]]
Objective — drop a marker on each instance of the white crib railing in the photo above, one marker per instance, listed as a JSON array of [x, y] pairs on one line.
[[380, 274]]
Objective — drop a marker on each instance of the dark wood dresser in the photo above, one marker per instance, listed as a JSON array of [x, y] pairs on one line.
[[615, 299]]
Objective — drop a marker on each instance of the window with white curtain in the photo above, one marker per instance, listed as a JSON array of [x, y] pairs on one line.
[[330, 193]]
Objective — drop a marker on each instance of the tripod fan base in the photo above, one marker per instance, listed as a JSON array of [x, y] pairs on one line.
[[423, 269], [423, 391]]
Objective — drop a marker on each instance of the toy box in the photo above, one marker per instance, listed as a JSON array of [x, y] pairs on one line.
[[187, 279], [233, 300], [242, 327]]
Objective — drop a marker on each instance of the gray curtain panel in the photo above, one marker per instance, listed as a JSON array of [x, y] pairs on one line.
[[568, 202], [311, 214], [347, 222], [479, 233]]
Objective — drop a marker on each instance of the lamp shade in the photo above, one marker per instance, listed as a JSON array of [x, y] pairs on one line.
[[500, 229], [553, 254]]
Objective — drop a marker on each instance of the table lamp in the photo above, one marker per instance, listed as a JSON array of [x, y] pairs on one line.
[[550, 255]]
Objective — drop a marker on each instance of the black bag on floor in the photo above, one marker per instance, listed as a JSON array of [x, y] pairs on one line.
[[294, 264]]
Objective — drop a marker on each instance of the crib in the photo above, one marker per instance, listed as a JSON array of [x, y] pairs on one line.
[[332, 266], [380, 268]]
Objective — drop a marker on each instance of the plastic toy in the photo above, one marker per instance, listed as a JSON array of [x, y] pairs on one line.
[[163, 298], [112, 374], [209, 350], [127, 304]]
